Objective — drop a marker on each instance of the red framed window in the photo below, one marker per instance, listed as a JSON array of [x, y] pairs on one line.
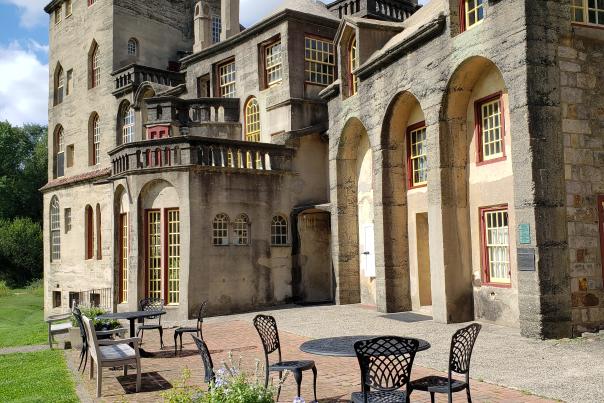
[[495, 245], [471, 13], [417, 159], [89, 229], [490, 128], [91, 2]]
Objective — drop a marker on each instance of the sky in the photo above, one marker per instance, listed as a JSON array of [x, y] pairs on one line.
[[24, 55]]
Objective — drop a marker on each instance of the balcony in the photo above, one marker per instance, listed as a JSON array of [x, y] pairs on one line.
[[131, 77], [209, 153]]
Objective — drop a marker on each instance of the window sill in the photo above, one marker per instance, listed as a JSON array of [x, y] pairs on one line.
[[281, 246], [496, 285], [415, 187], [588, 30], [493, 161]]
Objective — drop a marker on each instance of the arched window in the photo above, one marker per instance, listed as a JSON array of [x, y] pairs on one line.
[[279, 231], [353, 63], [95, 66], [128, 123], [59, 151], [132, 47], [89, 232], [252, 120], [241, 230], [221, 230], [99, 245], [59, 85], [55, 230], [95, 140]]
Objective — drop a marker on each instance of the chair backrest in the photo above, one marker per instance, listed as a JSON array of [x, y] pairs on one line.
[[462, 344], [93, 343], [152, 305], [385, 362], [206, 358], [200, 314], [77, 314], [267, 329]]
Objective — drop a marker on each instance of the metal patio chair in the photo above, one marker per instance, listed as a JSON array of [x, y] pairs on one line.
[[206, 358], [462, 345], [152, 305], [178, 332], [77, 314], [267, 329], [385, 364]]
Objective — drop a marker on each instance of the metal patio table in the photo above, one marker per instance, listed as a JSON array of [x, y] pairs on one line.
[[132, 317], [343, 346]]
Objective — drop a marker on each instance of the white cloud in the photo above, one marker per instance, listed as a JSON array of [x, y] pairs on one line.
[[24, 84], [32, 11]]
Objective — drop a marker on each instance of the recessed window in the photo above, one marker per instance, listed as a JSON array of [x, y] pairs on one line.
[[226, 75], [220, 234], [241, 230], [58, 15], [490, 127], [496, 245], [60, 152], [132, 47], [588, 11], [273, 64], [473, 13], [96, 140], [252, 120], [216, 28], [59, 85], [95, 67], [279, 231], [418, 160], [128, 125], [173, 248], [123, 248], [68, 8], [154, 254], [56, 299], [69, 83], [91, 2], [67, 220], [353, 64], [99, 243], [319, 61], [55, 230], [89, 232]]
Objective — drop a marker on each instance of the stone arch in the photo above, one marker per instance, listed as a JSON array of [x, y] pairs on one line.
[[461, 195], [143, 92], [93, 124], [58, 84], [122, 110], [400, 249], [93, 53], [122, 239], [354, 158]]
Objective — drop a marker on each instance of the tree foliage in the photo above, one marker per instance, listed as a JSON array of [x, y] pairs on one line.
[[21, 254]]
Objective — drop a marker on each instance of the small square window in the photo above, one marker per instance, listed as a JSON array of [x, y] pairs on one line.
[[472, 13], [70, 155], [56, 299], [74, 299]]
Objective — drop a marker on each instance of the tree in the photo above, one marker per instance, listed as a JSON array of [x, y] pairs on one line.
[[21, 254]]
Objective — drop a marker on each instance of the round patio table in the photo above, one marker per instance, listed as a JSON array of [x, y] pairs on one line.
[[132, 317], [343, 346]]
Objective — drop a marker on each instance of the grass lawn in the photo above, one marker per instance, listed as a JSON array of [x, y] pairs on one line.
[[22, 318], [36, 377]]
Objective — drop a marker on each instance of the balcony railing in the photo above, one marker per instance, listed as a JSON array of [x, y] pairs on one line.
[[100, 298], [212, 153], [190, 112], [131, 77]]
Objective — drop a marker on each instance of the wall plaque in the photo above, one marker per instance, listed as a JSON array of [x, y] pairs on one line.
[[524, 234], [526, 259]]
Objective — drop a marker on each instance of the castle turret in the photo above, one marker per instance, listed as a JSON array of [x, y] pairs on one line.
[[202, 26], [230, 18]]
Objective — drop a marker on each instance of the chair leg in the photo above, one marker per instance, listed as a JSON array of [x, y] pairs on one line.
[[175, 345], [298, 377], [279, 387], [85, 362], [99, 380], [126, 369], [469, 394], [161, 338], [432, 397], [91, 375], [138, 375], [314, 382], [82, 353], [181, 342]]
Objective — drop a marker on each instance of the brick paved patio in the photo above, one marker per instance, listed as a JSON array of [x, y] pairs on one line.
[[338, 377]]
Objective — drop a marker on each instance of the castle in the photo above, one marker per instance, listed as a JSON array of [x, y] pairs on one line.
[[444, 158]]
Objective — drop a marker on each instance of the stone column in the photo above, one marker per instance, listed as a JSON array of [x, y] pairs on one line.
[[230, 18], [202, 26]]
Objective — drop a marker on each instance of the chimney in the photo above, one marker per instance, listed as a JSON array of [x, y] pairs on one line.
[[230, 18], [202, 26]]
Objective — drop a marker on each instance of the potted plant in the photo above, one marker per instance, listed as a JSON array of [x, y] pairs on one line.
[[99, 325]]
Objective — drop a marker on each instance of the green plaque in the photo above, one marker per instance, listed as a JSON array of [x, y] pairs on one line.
[[524, 234]]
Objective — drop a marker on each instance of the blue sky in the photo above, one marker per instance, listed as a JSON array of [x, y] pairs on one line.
[[24, 55]]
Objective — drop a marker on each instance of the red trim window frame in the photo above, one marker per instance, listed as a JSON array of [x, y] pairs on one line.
[[410, 129], [89, 227], [123, 219], [478, 128], [601, 222], [484, 256], [463, 27], [217, 76]]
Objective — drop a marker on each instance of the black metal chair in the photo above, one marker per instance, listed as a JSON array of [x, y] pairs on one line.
[[152, 305], [208, 365], [462, 344], [385, 364], [77, 314], [178, 332], [267, 329]]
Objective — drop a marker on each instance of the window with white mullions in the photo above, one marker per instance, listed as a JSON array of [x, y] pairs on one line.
[[226, 74], [216, 28], [274, 64], [220, 230], [491, 130], [154, 254], [128, 126], [497, 246], [587, 11], [418, 157], [241, 230], [279, 231], [55, 230], [173, 256]]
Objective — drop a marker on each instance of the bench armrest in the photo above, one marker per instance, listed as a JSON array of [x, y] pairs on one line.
[[58, 318], [134, 340]]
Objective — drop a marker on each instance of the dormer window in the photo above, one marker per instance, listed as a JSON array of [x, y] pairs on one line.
[[472, 13], [353, 64], [587, 11]]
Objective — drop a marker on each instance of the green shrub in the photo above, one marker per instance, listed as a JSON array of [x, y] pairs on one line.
[[20, 252], [4, 290], [36, 287], [92, 312]]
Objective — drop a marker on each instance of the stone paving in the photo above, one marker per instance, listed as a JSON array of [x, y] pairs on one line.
[[338, 377]]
